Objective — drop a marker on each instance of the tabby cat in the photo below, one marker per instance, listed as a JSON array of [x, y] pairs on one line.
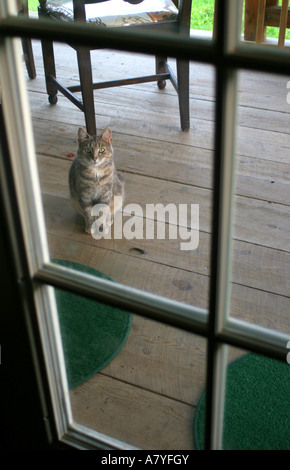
[[93, 179]]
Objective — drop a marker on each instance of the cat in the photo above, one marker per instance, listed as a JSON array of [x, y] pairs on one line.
[[93, 179]]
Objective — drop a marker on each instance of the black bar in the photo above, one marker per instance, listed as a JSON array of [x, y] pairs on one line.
[[168, 43], [173, 45]]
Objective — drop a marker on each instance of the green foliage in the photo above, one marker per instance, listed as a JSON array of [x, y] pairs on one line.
[[202, 15], [33, 4]]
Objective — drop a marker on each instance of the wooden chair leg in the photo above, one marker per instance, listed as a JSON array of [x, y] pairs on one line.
[[26, 45], [283, 23], [48, 59], [49, 70], [160, 61], [183, 93], [86, 81], [260, 21], [28, 57]]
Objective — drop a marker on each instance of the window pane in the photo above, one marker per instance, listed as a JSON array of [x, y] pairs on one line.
[[155, 373], [256, 402], [167, 174], [256, 406], [130, 378], [261, 273], [168, 190]]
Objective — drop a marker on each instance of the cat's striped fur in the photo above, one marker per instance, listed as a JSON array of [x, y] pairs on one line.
[[93, 178]]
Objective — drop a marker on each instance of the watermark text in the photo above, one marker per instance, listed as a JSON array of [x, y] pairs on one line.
[[156, 221]]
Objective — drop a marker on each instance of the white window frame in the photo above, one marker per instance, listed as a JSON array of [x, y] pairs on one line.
[[228, 55]]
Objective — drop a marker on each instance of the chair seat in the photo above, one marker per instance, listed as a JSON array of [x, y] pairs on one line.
[[116, 13]]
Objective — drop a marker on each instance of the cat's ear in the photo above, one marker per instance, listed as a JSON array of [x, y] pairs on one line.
[[83, 135], [107, 135]]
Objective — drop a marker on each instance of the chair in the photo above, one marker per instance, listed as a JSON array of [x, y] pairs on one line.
[[262, 13], [161, 15], [26, 43], [261, 20]]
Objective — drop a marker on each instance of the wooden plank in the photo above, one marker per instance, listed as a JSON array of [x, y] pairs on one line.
[[252, 109], [251, 14], [158, 357], [138, 271], [252, 143], [257, 143], [122, 100], [257, 178], [272, 17], [263, 179], [126, 120], [264, 92], [162, 359], [260, 308], [259, 222], [253, 265], [173, 282], [130, 414], [258, 91], [260, 33]]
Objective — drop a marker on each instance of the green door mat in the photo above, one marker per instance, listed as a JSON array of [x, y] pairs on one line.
[[92, 333], [257, 406]]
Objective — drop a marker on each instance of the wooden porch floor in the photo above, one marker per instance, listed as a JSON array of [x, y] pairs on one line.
[[148, 394]]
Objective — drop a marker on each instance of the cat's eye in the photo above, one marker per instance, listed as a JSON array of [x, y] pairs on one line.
[[88, 150], [102, 150]]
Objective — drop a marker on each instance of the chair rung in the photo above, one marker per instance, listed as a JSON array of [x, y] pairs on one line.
[[67, 93], [128, 81]]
